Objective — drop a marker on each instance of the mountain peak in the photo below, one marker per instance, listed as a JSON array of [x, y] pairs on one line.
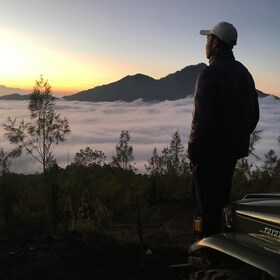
[[137, 76], [15, 96], [4, 90], [174, 86]]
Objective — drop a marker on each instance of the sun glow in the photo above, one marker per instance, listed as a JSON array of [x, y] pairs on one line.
[[12, 61], [23, 58]]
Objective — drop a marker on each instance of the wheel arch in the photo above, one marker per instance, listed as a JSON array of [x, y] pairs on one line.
[[244, 248]]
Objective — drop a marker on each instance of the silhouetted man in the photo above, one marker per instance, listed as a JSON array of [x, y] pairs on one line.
[[225, 113]]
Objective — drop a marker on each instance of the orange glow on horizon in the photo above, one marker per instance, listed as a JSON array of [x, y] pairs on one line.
[[22, 63], [68, 88], [24, 57]]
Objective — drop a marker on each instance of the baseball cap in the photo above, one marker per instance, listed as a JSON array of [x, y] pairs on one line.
[[224, 31]]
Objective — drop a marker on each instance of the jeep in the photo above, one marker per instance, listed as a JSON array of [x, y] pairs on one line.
[[248, 246]]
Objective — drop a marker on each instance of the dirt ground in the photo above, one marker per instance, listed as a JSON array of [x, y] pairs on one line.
[[83, 256]]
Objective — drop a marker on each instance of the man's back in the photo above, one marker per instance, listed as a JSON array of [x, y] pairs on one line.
[[226, 110], [225, 113]]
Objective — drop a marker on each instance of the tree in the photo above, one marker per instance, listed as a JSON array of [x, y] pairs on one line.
[[154, 165], [172, 161], [177, 157], [45, 129], [124, 153], [88, 157], [8, 196], [39, 136], [243, 166], [5, 162], [271, 164], [255, 138]]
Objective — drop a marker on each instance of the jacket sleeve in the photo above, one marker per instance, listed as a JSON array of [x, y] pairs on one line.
[[203, 111], [256, 110]]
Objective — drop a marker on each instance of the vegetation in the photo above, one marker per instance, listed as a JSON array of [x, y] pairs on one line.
[[92, 194], [124, 153], [44, 130], [39, 136]]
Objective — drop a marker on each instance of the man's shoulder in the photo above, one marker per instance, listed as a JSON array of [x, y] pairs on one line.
[[241, 65], [221, 66], [208, 73]]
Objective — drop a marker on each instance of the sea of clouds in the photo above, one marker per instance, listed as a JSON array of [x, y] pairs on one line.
[[98, 125]]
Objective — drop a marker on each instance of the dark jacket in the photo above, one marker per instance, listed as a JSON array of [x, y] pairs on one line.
[[226, 111]]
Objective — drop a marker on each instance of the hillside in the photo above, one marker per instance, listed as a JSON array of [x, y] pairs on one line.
[[15, 96], [9, 90], [174, 86]]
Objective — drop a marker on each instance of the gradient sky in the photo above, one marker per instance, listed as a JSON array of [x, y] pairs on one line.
[[79, 44]]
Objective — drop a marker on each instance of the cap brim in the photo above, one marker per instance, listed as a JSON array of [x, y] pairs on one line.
[[205, 32]]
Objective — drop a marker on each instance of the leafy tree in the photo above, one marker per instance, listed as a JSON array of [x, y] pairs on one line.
[[124, 153], [165, 161], [154, 165], [271, 164], [254, 139], [177, 157], [172, 161], [243, 166], [88, 157], [39, 136], [5, 162], [8, 196], [45, 129], [168, 169]]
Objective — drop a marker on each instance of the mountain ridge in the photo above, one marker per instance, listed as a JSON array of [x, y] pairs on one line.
[[132, 87], [177, 85], [15, 96], [4, 90]]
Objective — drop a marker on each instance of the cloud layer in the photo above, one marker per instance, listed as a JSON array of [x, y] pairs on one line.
[[98, 125]]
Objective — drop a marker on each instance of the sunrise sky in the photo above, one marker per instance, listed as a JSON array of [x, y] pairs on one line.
[[80, 44]]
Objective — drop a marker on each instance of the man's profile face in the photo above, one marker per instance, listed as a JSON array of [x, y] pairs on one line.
[[210, 46]]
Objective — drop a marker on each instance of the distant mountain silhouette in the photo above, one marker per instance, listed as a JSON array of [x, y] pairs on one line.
[[7, 90], [174, 86], [262, 94], [15, 96]]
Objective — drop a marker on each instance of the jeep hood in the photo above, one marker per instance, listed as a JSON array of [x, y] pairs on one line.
[[246, 248]]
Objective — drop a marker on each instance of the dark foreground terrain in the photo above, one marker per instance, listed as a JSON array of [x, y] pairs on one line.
[[84, 256], [80, 255]]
